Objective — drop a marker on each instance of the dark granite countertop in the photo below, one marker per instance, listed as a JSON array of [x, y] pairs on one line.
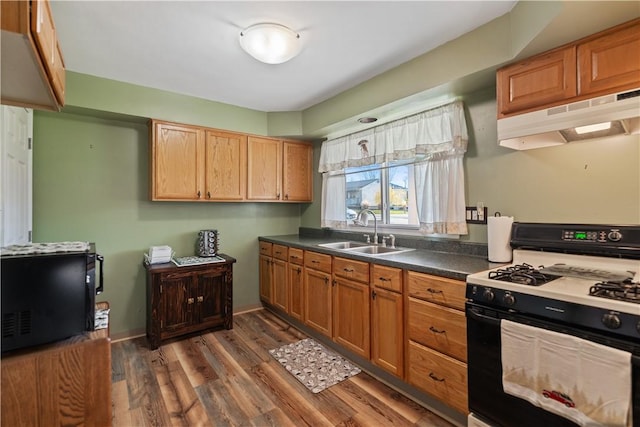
[[454, 265]]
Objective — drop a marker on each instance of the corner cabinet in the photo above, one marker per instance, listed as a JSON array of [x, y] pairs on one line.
[[33, 71], [279, 170], [183, 300], [601, 64]]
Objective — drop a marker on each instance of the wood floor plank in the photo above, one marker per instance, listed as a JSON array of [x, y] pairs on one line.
[[228, 378], [179, 396]]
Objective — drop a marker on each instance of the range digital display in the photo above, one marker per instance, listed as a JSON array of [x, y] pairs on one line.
[[580, 235]]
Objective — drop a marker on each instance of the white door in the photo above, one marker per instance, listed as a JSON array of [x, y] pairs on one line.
[[15, 188]]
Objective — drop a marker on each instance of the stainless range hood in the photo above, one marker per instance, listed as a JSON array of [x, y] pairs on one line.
[[557, 125]]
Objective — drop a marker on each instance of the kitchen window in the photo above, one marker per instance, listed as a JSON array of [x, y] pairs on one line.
[[388, 190], [413, 164]]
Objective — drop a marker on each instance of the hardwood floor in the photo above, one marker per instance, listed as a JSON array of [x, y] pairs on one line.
[[228, 378]]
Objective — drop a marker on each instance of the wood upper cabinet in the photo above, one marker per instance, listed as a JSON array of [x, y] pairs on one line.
[[177, 162], [33, 71], [600, 64], [537, 81], [225, 175], [279, 170], [297, 185], [264, 167], [610, 62]]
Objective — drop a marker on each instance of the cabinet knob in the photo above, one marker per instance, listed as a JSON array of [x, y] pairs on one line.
[[190, 300], [198, 194], [208, 194], [278, 196], [286, 197], [200, 298]]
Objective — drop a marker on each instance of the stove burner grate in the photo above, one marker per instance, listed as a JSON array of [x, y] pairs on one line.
[[523, 274], [621, 291]]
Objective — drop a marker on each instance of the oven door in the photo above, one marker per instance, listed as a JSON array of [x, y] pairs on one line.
[[486, 396]]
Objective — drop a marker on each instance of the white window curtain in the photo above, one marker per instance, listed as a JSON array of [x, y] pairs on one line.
[[436, 139]]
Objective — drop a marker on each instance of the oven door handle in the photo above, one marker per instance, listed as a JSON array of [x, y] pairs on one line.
[[473, 313]]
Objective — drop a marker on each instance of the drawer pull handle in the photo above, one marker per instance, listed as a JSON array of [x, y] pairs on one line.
[[437, 331], [313, 261], [384, 279], [348, 270], [435, 378], [434, 291]]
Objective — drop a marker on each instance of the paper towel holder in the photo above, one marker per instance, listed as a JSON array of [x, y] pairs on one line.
[[475, 216]]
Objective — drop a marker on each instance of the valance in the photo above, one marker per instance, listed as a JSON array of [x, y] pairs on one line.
[[436, 133]]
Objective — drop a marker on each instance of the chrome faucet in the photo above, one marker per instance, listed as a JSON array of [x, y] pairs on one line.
[[375, 224]]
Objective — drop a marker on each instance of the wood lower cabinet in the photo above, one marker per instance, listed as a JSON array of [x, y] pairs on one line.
[[183, 300], [318, 309], [437, 338], [266, 271], [387, 317], [280, 286], [295, 280], [64, 383]]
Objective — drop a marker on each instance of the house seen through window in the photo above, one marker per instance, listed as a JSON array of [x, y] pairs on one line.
[[386, 189]]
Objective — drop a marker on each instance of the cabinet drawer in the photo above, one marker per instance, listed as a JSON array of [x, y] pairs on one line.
[[439, 375], [350, 269], [435, 289], [280, 252], [441, 328], [296, 256], [386, 277], [317, 261], [266, 248]]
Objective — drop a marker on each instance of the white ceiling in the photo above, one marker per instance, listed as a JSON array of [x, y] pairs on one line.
[[192, 47]]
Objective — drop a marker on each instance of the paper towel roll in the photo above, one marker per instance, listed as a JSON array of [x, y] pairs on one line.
[[498, 238]]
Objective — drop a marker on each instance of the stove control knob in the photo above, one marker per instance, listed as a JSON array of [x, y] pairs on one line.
[[509, 299], [488, 294], [614, 235], [611, 321]]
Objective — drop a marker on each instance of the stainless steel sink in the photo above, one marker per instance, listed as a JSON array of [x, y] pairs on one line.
[[343, 245], [378, 250]]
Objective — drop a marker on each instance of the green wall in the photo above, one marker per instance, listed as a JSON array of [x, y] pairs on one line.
[[90, 183]]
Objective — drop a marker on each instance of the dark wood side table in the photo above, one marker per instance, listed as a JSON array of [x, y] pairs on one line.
[[187, 299]]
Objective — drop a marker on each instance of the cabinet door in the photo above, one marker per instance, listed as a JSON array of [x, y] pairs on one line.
[[297, 183], [387, 342], [317, 291], [176, 305], [265, 278], [351, 316], [295, 280], [211, 297], [264, 168], [225, 165], [540, 81], [611, 62], [280, 297], [177, 162], [45, 37]]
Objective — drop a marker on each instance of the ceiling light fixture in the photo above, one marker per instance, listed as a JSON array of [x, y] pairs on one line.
[[270, 43]]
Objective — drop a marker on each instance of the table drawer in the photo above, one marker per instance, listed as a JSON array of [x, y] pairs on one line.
[[351, 269], [436, 289], [439, 375], [266, 248], [441, 328], [317, 261], [386, 277], [281, 252], [296, 256]]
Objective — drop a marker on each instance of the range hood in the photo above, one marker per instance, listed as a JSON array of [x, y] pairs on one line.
[[556, 125]]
